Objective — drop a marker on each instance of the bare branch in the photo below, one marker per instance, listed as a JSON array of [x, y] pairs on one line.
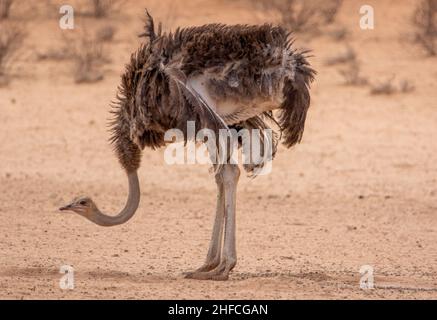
[[425, 20], [5, 7], [11, 38]]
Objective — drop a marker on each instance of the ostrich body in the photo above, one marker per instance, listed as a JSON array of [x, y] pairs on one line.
[[220, 77]]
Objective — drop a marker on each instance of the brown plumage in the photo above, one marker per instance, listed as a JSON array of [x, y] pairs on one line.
[[242, 63]]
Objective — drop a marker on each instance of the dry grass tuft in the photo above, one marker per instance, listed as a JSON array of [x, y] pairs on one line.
[[300, 15], [406, 86], [88, 56], [329, 10], [388, 88], [352, 74], [57, 53], [86, 50], [351, 70], [105, 34], [103, 8], [338, 34], [385, 87], [348, 55]]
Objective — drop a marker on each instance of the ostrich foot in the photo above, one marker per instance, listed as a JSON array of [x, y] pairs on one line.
[[207, 266], [208, 276], [220, 273]]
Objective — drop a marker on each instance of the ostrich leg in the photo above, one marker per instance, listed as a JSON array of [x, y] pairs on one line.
[[215, 245], [230, 175]]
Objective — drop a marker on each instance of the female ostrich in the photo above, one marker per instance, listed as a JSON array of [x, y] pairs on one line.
[[220, 77]]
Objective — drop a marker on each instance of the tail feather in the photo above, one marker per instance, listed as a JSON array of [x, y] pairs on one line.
[[297, 100]]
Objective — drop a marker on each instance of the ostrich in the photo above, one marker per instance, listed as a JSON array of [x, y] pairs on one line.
[[219, 77]]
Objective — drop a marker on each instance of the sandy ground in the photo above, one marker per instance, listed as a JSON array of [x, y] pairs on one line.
[[361, 189]]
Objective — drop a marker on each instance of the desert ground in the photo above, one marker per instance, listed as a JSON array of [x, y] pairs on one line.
[[361, 188]]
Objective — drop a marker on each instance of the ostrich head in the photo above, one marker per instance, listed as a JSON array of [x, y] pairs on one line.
[[83, 206]]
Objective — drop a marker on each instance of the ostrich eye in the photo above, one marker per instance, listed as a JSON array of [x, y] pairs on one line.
[[82, 203]]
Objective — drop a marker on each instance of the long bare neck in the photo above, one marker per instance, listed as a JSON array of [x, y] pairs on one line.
[[129, 209]]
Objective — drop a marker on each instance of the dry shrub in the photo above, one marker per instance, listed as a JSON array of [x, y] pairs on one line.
[[352, 74], [300, 15], [89, 57], [57, 54], [425, 20], [338, 34], [5, 7], [406, 86], [61, 51], [387, 88], [329, 10], [87, 52], [105, 34], [348, 55], [11, 39], [103, 8]]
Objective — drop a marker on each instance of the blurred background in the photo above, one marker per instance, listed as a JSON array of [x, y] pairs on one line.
[[361, 189]]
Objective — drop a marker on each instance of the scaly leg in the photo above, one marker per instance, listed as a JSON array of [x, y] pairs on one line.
[[230, 174], [215, 245]]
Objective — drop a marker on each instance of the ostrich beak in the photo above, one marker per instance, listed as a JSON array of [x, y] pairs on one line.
[[65, 208]]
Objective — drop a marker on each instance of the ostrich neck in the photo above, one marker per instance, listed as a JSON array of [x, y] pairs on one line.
[[129, 209]]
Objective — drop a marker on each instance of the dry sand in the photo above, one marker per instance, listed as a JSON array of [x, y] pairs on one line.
[[361, 189]]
